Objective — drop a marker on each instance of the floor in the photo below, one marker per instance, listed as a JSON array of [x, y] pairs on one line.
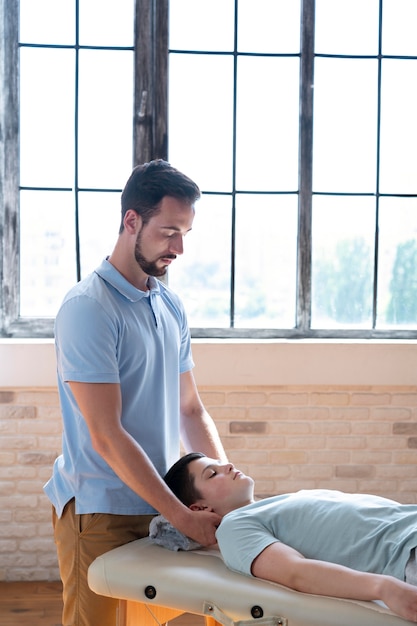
[[30, 604], [39, 604]]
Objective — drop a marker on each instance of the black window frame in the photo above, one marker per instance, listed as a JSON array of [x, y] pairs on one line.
[[150, 140]]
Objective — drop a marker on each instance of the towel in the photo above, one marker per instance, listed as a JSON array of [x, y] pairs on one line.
[[164, 534]]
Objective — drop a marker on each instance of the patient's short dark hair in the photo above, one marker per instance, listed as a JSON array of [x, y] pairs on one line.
[[180, 480]]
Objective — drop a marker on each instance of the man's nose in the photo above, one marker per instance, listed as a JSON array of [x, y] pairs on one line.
[[177, 245]]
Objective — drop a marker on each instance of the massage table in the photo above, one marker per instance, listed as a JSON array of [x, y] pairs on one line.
[[155, 585]]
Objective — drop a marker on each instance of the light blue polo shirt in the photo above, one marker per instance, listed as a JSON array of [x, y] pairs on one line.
[[364, 532], [107, 331]]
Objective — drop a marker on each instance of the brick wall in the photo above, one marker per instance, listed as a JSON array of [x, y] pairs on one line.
[[30, 433], [352, 438], [361, 439]]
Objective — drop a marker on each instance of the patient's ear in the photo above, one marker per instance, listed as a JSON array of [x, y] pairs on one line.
[[200, 507]]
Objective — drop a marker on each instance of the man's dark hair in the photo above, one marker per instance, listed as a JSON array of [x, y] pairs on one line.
[[180, 480], [149, 183]]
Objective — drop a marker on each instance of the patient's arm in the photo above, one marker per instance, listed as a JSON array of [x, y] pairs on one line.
[[281, 564]]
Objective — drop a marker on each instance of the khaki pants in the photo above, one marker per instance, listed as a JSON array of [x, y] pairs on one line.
[[79, 540]]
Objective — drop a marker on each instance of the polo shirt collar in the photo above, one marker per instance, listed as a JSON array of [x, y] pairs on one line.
[[109, 273]]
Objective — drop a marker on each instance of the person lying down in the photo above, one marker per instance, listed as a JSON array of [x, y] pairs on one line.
[[319, 541]]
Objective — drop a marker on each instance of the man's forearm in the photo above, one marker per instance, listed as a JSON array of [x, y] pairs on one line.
[[129, 461], [198, 430], [199, 434]]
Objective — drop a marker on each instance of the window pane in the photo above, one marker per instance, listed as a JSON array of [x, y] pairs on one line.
[[261, 41], [202, 275], [342, 264], [269, 26], [399, 20], [47, 21], [107, 22], [267, 124], [266, 261], [105, 118], [398, 127], [347, 26], [46, 117], [397, 285], [47, 250], [345, 125], [200, 118], [203, 25], [49, 147], [99, 222]]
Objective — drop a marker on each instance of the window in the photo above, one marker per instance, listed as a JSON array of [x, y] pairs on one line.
[[301, 139]]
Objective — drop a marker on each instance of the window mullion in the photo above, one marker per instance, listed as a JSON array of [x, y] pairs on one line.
[[151, 81], [305, 166], [378, 160], [9, 165]]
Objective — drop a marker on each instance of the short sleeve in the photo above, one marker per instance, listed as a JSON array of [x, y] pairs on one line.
[[241, 538], [86, 342]]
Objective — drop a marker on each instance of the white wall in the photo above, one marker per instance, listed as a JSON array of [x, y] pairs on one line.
[[31, 363]]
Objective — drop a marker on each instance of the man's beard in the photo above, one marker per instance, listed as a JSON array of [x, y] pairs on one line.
[[149, 267]]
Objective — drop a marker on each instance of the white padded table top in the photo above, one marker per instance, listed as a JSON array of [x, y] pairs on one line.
[[187, 580]]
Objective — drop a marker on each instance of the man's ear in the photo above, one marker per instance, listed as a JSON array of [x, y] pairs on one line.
[[132, 221]]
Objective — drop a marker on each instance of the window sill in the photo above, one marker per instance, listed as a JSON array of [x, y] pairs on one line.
[[229, 362]]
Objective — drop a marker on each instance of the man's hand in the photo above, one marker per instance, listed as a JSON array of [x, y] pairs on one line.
[[200, 526]]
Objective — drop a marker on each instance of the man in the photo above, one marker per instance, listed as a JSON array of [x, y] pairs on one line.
[[127, 393], [322, 542]]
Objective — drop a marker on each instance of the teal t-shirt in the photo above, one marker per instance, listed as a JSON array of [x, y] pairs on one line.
[[364, 532]]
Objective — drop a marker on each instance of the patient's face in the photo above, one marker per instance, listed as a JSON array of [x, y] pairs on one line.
[[222, 487]]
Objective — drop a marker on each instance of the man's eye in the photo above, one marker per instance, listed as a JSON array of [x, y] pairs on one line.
[[213, 473]]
